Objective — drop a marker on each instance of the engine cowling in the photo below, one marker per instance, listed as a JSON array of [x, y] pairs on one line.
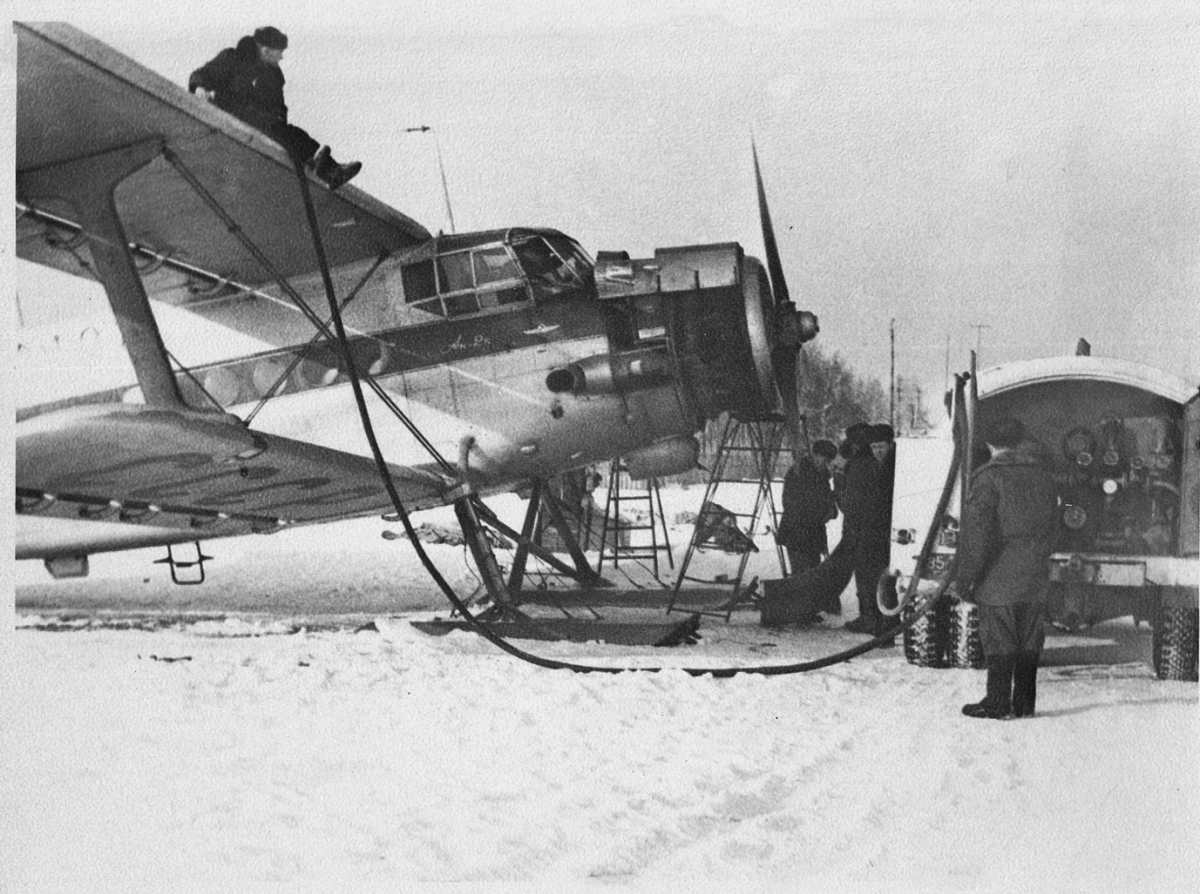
[[713, 306]]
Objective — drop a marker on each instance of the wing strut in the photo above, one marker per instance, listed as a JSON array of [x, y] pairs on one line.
[[89, 184], [336, 336], [238, 233]]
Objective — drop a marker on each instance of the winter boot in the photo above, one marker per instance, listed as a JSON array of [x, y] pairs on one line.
[[320, 158], [1025, 684], [331, 172], [997, 704], [885, 625], [319, 162], [860, 624]]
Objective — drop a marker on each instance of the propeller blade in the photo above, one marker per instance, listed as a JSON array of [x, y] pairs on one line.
[[774, 265], [787, 336], [785, 373]]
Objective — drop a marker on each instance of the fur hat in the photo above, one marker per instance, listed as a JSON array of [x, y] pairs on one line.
[[859, 434], [271, 38], [1006, 433], [882, 432], [824, 449]]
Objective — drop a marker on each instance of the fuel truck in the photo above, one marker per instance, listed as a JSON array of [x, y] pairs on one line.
[[1122, 441]]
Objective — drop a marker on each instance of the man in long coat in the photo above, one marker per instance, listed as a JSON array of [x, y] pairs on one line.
[[802, 597], [808, 505], [1005, 542], [866, 503]]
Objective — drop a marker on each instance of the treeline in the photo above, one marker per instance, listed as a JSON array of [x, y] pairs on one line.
[[831, 396]]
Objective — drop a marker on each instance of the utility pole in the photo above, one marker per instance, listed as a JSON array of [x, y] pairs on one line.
[[946, 378], [979, 327], [892, 380]]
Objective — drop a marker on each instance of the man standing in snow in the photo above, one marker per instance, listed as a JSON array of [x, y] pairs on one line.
[[808, 505], [862, 552], [247, 82], [1006, 539], [866, 503]]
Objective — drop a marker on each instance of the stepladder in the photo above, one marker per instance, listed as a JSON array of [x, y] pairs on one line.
[[738, 501], [635, 526]]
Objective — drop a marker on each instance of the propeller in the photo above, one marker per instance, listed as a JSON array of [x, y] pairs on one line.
[[792, 328]]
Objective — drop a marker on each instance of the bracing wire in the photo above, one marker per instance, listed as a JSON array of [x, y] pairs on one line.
[[475, 623]]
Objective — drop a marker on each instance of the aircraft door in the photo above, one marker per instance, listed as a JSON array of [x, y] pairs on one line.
[[1189, 485]]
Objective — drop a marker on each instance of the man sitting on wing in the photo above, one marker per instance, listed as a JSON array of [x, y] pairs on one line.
[[247, 82]]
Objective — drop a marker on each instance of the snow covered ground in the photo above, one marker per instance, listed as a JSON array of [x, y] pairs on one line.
[[221, 749]]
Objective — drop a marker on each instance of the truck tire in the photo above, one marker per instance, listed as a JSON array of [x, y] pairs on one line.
[[1175, 632], [925, 640], [963, 645]]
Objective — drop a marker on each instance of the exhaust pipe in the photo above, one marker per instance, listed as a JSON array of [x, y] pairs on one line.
[[610, 374]]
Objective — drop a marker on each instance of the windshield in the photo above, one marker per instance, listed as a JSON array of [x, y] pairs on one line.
[[554, 263]]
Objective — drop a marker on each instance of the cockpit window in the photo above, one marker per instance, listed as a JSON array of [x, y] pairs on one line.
[[574, 256], [419, 281], [464, 282], [494, 265], [540, 261], [454, 272], [457, 283], [554, 264]]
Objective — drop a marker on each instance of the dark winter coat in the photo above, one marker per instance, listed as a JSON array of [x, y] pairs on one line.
[[244, 85], [1008, 530], [807, 505], [866, 499]]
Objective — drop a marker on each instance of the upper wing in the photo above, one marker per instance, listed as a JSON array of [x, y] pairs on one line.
[[77, 97], [115, 476]]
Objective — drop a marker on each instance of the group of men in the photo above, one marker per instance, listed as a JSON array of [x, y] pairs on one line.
[[854, 479], [1009, 522]]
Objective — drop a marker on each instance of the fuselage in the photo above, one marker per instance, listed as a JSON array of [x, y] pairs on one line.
[[461, 334], [509, 353]]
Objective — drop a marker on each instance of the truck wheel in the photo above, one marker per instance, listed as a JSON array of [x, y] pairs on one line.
[[963, 645], [925, 641], [1175, 632]]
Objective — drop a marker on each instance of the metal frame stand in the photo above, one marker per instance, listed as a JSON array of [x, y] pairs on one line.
[[656, 520], [763, 442], [542, 505]]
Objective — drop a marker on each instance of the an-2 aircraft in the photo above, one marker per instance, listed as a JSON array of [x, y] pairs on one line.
[[511, 355]]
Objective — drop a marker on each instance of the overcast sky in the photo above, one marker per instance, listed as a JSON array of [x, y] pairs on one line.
[[1008, 175]]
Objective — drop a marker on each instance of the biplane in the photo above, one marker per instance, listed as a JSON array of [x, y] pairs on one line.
[[505, 356]]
